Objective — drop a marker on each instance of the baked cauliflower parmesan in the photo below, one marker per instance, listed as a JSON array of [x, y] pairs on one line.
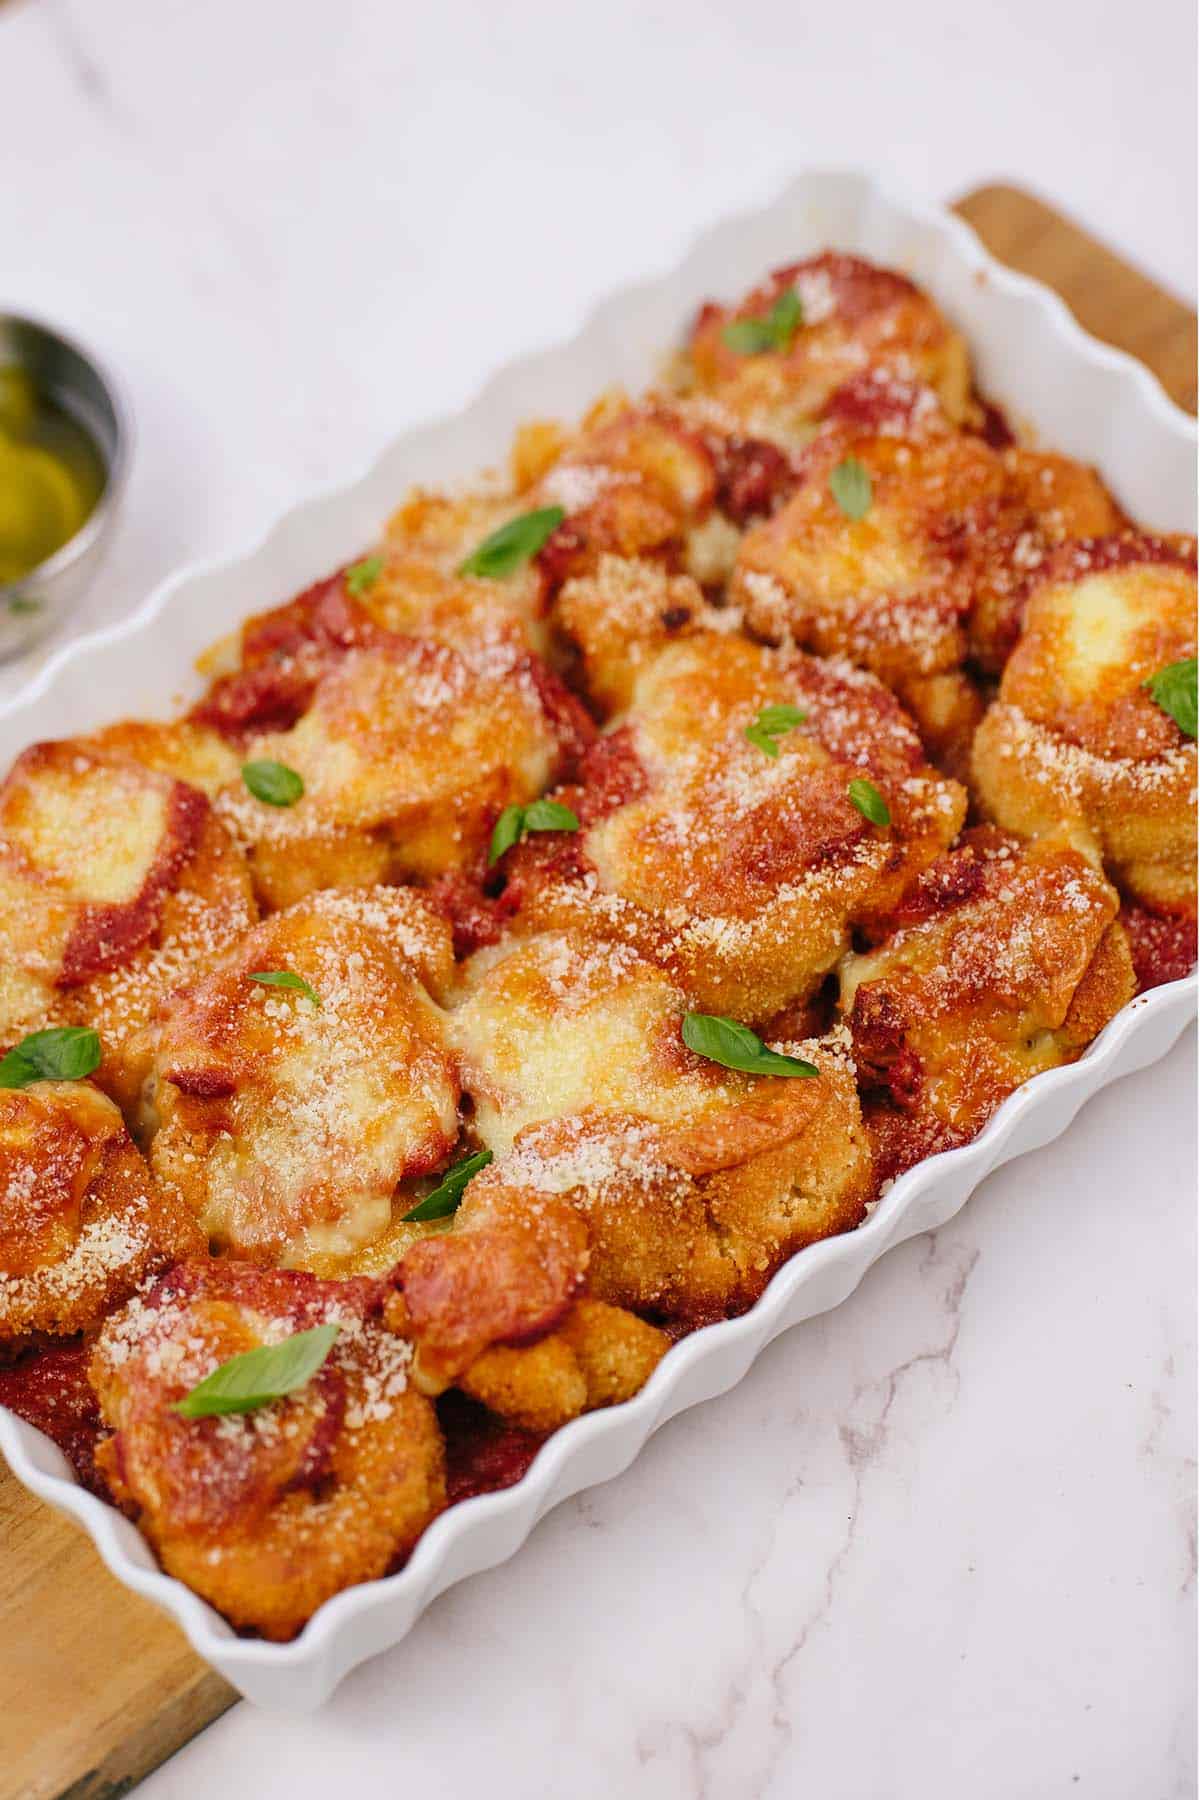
[[544, 926]]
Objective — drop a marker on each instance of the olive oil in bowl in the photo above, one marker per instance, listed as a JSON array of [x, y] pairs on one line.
[[51, 475]]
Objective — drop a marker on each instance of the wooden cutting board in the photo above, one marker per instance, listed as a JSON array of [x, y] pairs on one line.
[[96, 1687]]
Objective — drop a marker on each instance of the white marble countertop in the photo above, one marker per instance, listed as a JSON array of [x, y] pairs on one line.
[[942, 1540]]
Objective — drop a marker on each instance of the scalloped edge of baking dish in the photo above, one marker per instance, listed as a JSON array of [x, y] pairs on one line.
[[1067, 388]]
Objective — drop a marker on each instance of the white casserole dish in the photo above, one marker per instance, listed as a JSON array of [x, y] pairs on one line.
[[1073, 392]]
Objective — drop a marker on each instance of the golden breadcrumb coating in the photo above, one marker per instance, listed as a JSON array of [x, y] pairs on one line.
[[854, 317], [694, 1180], [1051, 500], [407, 752], [741, 872], [1004, 960], [890, 588], [286, 1124], [81, 1222], [116, 882], [599, 1356], [268, 1513], [189, 751], [687, 1223], [1075, 745], [620, 616]]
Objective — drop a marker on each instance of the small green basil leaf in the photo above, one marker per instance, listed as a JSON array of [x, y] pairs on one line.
[[284, 978], [508, 830], [748, 337], [549, 815], [786, 317], [850, 486], [1174, 690], [869, 801], [446, 1197], [259, 1376], [771, 723], [761, 738], [513, 544], [735, 1046], [273, 783], [773, 330], [779, 719], [62, 1053], [515, 821], [362, 576]]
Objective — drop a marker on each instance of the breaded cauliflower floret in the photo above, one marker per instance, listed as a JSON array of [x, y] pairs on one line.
[[116, 882], [81, 1223], [694, 1181], [599, 1356], [936, 548], [407, 752], [189, 751], [741, 872], [635, 481], [889, 585], [853, 316], [619, 617], [1075, 744], [267, 1513], [688, 1223], [1004, 960], [284, 1122], [1052, 500]]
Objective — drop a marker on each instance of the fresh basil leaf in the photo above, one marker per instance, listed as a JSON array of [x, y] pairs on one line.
[[62, 1053], [735, 1046], [773, 330], [362, 576], [507, 831], [285, 978], [748, 337], [786, 317], [273, 782], [513, 544], [850, 486], [549, 815], [1174, 689], [771, 724], [446, 1197], [515, 821], [869, 801], [259, 1376]]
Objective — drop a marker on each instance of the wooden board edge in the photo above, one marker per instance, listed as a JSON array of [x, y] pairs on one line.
[[1108, 295]]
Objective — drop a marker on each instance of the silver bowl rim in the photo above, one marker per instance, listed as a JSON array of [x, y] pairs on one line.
[[116, 466]]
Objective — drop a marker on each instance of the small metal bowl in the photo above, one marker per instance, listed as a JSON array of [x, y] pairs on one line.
[[80, 385]]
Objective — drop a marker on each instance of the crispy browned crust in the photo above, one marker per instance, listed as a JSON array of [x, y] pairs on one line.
[[599, 1356], [116, 882], [1075, 744], [855, 315], [408, 751], [268, 1513], [694, 1182], [81, 1222], [285, 1125], [741, 874], [1004, 960]]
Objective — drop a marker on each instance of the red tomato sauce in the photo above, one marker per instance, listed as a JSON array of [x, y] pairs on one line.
[[483, 1453], [50, 1389]]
